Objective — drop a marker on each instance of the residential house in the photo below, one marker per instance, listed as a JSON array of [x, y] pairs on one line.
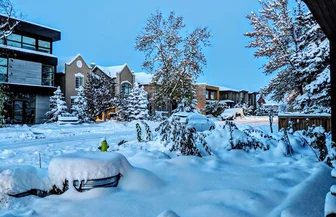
[[233, 97], [75, 73], [27, 68], [121, 75], [71, 75], [206, 93]]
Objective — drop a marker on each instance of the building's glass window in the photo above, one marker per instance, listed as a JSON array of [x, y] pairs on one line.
[[79, 81], [28, 43], [212, 95], [125, 88], [207, 94], [3, 69], [14, 40], [44, 46], [48, 73]]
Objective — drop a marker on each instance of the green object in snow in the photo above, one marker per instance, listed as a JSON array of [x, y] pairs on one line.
[[104, 146]]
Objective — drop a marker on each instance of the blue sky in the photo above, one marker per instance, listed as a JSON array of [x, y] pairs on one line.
[[104, 31]]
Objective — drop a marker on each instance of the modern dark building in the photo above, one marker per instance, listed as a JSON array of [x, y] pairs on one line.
[[27, 69]]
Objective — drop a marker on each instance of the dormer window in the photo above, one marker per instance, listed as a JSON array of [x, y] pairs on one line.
[[79, 80]]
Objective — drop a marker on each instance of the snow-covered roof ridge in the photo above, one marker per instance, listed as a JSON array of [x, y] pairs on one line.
[[73, 59], [223, 88], [36, 24], [111, 71], [143, 78]]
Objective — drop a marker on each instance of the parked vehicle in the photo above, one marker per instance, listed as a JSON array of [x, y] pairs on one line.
[[194, 120], [232, 113]]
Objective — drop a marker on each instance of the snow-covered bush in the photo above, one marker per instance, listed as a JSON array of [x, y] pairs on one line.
[[247, 109], [176, 136], [316, 138], [57, 106], [215, 108], [244, 140], [148, 132]]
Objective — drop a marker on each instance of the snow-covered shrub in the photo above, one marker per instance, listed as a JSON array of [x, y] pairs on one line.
[[176, 136], [247, 109], [284, 148], [57, 106], [284, 144], [148, 132], [316, 138], [243, 140], [215, 108]]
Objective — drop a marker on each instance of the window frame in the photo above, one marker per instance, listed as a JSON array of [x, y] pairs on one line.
[[53, 75], [21, 43], [4, 66], [129, 88], [79, 76]]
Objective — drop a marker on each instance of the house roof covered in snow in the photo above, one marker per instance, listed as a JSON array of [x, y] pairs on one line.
[[222, 88], [143, 78], [111, 71]]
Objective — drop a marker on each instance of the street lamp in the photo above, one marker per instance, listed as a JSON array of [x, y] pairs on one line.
[[324, 12]]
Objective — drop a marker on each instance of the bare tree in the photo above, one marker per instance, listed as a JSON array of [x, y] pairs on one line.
[[174, 57], [7, 24]]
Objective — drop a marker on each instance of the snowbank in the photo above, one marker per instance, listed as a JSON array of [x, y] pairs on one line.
[[18, 179], [307, 199]]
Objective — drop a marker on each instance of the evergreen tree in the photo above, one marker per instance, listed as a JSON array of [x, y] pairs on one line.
[[100, 95], [57, 106], [296, 50], [136, 105], [79, 108], [275, 36], [174, 58], [187, 105], [313, 67], [189, 102]]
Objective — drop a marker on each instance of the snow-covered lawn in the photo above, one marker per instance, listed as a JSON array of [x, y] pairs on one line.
[[231, 183]]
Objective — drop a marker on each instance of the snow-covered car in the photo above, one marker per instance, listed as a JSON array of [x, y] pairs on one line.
[[229, 114], [194, 120]]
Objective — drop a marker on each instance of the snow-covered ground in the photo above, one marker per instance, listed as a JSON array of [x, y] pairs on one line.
[[231, 183]]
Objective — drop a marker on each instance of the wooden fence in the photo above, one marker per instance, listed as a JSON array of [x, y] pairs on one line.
[[300, 121]]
